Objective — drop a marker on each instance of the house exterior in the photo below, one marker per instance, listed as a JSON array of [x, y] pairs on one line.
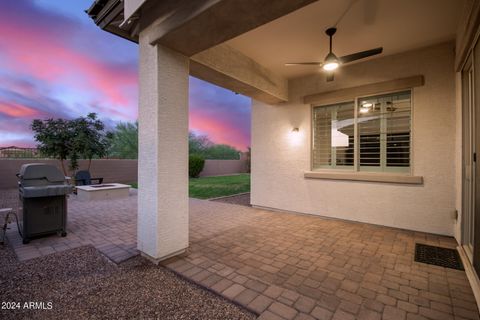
[[391, 141], [425, 203]]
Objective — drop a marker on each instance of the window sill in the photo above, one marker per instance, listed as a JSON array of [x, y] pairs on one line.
[[364, 176]]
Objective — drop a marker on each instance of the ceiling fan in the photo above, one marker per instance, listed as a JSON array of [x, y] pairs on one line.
[[332, 62]]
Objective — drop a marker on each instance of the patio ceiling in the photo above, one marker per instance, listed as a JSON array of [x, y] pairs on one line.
[[398, 26], [252, 63]]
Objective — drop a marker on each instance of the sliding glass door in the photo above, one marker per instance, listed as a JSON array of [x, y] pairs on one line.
[[468, 216], [470, 164]]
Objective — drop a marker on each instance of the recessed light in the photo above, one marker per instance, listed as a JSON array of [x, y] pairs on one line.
[[364, 110]]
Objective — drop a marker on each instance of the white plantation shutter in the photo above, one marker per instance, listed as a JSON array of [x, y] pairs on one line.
[[383, 125], [384, 132], [333, 138]]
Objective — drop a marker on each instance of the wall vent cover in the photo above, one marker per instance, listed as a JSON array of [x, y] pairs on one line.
[[443, 257]]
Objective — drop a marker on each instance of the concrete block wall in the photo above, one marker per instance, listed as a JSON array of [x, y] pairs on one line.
[[223, 167], [111, 170], [114, 170]]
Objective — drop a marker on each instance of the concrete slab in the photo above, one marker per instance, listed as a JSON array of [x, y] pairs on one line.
[[106, 191]]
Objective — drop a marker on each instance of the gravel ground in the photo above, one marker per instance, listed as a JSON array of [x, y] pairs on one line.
[[241, 199], [82, 284]]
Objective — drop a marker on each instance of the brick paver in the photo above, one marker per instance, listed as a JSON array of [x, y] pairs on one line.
[[282, 265], [108, 225], [307, 267]]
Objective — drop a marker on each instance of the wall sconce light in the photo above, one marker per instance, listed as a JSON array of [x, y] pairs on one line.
[[295, 137]]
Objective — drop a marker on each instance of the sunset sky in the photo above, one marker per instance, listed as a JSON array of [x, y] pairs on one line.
[[56, 63]]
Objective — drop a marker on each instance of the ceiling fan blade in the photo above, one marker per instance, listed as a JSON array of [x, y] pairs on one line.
[[360, 55], [330, 76], [304, 63]]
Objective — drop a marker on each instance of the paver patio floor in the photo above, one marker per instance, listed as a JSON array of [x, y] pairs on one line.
[[288, 266], [283, 265], [110, 226]]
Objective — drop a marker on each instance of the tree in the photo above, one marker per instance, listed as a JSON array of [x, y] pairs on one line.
[[55, 138], [91, 140], [198, 144], [124, 141], [124, 144], [221, 151], [84, 137], [202, 146]]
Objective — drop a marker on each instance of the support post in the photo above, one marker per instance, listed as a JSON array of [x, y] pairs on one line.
[[162, 226]]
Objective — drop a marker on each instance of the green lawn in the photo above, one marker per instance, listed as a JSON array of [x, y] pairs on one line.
[[212, 187]]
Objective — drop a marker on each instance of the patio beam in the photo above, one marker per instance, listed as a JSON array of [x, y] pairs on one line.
[[197, 29], [192, 26], [230, 69], [162, 229], [346, 94]]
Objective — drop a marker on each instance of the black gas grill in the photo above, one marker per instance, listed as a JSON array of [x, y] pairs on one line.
[[43, 190]]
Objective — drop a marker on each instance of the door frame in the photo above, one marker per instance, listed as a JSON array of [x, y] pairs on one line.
[[468, 150]]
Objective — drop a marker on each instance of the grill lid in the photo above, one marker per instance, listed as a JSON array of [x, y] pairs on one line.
[[46, 191], [40, 171]]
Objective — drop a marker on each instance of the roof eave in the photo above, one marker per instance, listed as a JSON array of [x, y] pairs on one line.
[[105, 12]]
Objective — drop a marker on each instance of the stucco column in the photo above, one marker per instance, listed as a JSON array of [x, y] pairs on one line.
[[163, 152]]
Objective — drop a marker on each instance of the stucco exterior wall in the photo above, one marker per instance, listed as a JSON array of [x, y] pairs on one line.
[[280, 157]]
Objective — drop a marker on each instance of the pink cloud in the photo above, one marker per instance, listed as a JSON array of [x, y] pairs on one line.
[[18, 111], [52, 65], [38, 54], [218, 130]]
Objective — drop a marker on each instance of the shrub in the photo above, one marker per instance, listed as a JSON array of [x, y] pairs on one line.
[[195, 165]]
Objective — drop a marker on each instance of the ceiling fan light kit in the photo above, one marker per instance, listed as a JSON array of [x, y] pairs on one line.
[[332, 62]]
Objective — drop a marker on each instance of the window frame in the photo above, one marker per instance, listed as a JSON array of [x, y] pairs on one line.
[[356, 158]]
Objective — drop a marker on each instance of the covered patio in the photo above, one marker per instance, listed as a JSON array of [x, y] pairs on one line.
[[380, 141], [281, 265], [362, 144]]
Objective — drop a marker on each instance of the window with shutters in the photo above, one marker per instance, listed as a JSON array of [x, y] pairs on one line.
[[367, 134], [333, 145]]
